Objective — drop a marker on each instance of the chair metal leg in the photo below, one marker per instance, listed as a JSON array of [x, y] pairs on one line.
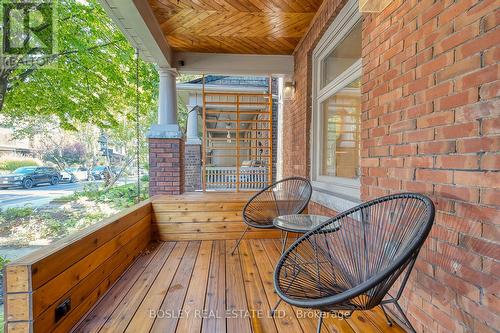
[[239, 240], [394, 300], [284, 237], [283, 242], [273, 310], [389, 321], [320, 322], [405, 319]]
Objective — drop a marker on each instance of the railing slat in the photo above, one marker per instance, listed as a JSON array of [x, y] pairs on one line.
[[225, 178]]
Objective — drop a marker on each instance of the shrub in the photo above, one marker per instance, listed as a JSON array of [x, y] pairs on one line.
[[11, 163], [3, 261], [15, 213], [121, 196]]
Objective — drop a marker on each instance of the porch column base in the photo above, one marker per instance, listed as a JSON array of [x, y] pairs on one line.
[[169, 131], [166, 166]]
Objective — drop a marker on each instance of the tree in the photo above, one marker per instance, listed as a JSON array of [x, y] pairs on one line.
[[87, 86], [90, 79], [66, 155]]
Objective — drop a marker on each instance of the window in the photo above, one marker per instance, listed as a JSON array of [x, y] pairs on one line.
[[343, 56], [335, 144], [341, 133]]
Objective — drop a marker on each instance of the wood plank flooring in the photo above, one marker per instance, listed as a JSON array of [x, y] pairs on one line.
[[197, 286]]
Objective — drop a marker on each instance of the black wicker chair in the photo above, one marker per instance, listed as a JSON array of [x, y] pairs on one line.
[[340, 270], [285, 197]]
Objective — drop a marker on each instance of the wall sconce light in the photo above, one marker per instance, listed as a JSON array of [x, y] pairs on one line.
[[373, 6], [289, 90]]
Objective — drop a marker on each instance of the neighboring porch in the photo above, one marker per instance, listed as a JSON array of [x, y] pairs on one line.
[[231, 140]]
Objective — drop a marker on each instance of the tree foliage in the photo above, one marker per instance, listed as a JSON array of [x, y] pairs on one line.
[[67, 155], [91, 79]]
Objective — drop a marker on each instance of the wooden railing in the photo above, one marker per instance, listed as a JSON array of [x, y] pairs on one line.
[[203, 216], [226, 178], [51, 289]]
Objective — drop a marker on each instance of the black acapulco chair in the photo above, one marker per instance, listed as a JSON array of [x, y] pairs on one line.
[[352, 267], [284, 197]]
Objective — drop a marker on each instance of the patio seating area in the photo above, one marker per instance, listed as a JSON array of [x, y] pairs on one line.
[[165, 265], [198, 286], [365, 100]]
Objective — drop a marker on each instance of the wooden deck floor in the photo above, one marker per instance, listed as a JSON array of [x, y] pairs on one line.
[[217, 292]]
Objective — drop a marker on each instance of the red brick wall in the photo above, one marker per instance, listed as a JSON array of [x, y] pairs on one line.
[[431, 109], [297, 112], [430, 124], [192, 167], [166, 166]]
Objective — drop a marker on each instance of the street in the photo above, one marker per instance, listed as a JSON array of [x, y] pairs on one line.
[[37, 196], [43, 194]]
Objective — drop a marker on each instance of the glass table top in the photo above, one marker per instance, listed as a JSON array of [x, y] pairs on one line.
[[302, 222]]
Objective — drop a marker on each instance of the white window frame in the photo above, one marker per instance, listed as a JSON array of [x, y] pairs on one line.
[[337, 193]]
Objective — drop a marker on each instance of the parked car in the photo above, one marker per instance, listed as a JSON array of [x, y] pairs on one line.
[[75, 174], [99, 171], [28, 177]]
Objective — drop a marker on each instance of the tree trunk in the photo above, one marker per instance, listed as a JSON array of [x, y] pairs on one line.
[[114, 179], [4, 81]]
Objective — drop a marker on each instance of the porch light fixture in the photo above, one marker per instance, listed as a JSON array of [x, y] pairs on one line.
[[373, 6], [289, 90]]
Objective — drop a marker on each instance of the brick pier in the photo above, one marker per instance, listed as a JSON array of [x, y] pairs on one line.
[[166, 166]]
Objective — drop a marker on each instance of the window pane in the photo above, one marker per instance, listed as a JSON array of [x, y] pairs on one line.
[[341, 132], [345, 54]]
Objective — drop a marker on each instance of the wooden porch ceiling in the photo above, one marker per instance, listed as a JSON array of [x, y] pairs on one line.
[[234, 26]]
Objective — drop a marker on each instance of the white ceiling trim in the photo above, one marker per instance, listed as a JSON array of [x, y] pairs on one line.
[[139, 25], [195, 87], [233, 64]]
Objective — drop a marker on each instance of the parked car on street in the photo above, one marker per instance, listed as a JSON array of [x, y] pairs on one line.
[[28, 177], [72, 175], [98, 172]]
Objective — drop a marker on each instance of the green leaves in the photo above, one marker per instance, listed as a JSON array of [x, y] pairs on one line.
[[90, 79]]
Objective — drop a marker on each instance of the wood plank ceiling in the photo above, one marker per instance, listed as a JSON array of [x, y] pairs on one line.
[[234, 26]]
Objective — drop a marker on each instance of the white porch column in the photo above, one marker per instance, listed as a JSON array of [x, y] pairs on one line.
[[166, 142], [192, 158], [167, 126], [192, 137]]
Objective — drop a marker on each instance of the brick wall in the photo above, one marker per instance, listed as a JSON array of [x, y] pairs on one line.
[[166, 163], [297, 112], [192, 167], [430, 107]]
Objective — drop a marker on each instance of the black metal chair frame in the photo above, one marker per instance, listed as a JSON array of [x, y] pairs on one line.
[[405, 261], [270, 225]]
